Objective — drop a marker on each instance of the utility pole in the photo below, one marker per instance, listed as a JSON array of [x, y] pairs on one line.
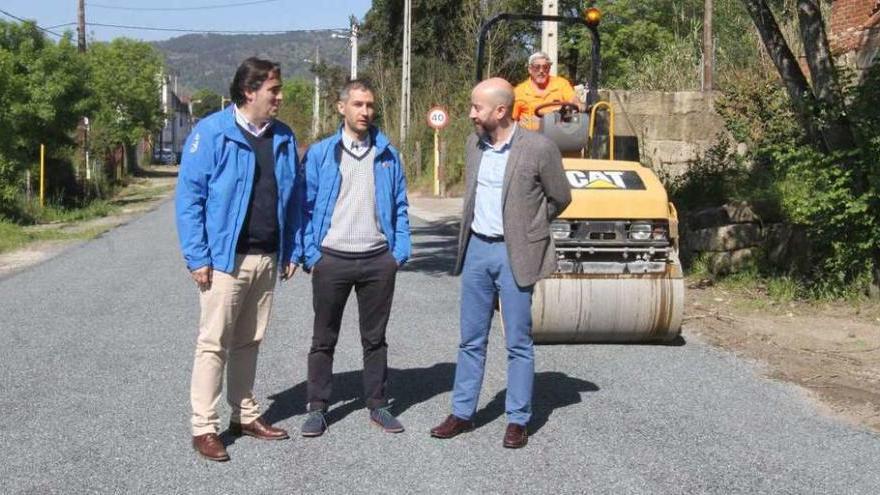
[[550, 35], [708, 47], [81, 26], [316, 109], [405, 82], [84, 121]]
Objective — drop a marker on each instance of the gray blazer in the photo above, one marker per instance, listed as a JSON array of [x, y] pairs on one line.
[[535, 191]]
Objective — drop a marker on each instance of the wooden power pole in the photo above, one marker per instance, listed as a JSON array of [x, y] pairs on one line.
[[83, 129], [405, 73], [81, 26]]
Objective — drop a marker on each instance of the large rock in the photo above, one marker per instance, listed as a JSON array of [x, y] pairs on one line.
[[724, 238], [731, 262]]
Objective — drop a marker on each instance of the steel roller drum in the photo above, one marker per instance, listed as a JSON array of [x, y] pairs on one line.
[[579, 308]]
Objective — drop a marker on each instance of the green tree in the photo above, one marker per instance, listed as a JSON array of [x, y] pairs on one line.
[[43, 93], [843, 141], [205, 102], [126, 86], [436, 38], [296, 108]]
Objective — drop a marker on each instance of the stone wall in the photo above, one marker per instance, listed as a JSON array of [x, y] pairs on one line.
[[733, 236], [667, 130]]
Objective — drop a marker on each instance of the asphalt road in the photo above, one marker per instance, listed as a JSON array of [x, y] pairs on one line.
[[94, 376]]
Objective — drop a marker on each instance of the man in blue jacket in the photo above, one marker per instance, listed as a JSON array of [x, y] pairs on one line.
[[356, 235], [239, 224]]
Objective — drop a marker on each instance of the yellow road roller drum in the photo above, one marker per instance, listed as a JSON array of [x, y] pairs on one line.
[[618, 276]]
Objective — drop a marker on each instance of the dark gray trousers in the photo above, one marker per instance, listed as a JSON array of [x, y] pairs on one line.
[[332, 280]]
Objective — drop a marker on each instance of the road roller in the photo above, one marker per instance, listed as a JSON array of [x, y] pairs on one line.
[[618, 276]]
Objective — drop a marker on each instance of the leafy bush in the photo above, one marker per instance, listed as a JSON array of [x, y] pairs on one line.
[[715, 178]]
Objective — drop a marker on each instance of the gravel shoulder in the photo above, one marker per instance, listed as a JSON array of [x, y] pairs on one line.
[[832, 350]]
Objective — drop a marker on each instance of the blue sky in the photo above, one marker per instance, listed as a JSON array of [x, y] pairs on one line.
[[260, 15]]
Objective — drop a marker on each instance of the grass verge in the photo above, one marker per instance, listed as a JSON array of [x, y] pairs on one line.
[[13, 236]]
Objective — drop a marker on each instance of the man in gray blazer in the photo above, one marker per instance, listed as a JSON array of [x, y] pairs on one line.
[[515, 186]]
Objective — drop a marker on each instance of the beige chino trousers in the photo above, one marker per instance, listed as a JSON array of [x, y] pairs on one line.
[[234, 316]]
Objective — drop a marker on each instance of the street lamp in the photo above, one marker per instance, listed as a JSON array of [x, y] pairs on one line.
[[352, 36]]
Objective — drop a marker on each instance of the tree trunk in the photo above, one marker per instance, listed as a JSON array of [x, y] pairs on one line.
[[837, 131], [792, 77]]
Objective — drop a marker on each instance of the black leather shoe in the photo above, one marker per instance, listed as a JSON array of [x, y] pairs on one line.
[[516, 436], [451, 426]]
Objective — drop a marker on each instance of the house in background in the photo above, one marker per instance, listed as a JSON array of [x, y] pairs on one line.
[[168, 143], [854, 33]]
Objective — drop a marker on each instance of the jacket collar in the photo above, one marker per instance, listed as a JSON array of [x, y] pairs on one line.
[[377, 138], [230, 129]]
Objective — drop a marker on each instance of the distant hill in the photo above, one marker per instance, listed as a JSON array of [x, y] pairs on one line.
[[209, 60]]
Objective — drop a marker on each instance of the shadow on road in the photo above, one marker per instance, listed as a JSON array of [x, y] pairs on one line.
[[434, 248], [553, 390], [407, 387]]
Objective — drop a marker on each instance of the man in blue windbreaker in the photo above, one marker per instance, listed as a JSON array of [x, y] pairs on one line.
[[356, 235], [238, 220]]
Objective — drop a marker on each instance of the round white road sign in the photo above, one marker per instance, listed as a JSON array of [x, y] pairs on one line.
[[438, 118]]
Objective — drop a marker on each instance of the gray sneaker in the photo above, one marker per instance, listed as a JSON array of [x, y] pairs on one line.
[[315, 425], [382, 417]]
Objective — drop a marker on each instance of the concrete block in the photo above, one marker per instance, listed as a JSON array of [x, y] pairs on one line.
[[724, 238], [722, 215]]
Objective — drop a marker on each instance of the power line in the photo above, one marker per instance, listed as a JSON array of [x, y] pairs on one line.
[[34, 23], [61, 25], [207, 7], [210, 31], [177, 30]]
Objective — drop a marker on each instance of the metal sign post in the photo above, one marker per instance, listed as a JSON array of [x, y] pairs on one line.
[[438, 118], [42, 175]]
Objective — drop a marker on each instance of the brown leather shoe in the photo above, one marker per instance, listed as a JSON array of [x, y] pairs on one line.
[[258, 429], [516, 436], [210, 447], [451, 426]]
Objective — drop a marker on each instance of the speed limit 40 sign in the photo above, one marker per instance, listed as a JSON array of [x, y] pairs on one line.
[[438, 117]]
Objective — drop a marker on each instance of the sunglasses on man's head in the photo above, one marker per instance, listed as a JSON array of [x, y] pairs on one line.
[[541, 67]]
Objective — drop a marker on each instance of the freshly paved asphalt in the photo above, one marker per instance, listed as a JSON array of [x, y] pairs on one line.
[[94, 377]]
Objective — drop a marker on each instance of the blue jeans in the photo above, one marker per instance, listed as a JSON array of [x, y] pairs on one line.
[[485, 274]]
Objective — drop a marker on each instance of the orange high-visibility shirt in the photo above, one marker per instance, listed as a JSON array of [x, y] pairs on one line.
[[527, 97]]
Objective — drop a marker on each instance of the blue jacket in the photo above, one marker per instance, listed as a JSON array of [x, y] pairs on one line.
[[322, 181], [214, 187]]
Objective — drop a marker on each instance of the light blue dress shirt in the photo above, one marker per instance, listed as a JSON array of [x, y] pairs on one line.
[[488, 207]]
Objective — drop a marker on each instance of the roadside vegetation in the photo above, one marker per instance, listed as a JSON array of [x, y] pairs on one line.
[[831, 194], [48, 87], [56, 222]]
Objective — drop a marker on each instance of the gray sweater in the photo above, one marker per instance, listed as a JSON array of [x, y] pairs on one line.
[[354, 227]]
